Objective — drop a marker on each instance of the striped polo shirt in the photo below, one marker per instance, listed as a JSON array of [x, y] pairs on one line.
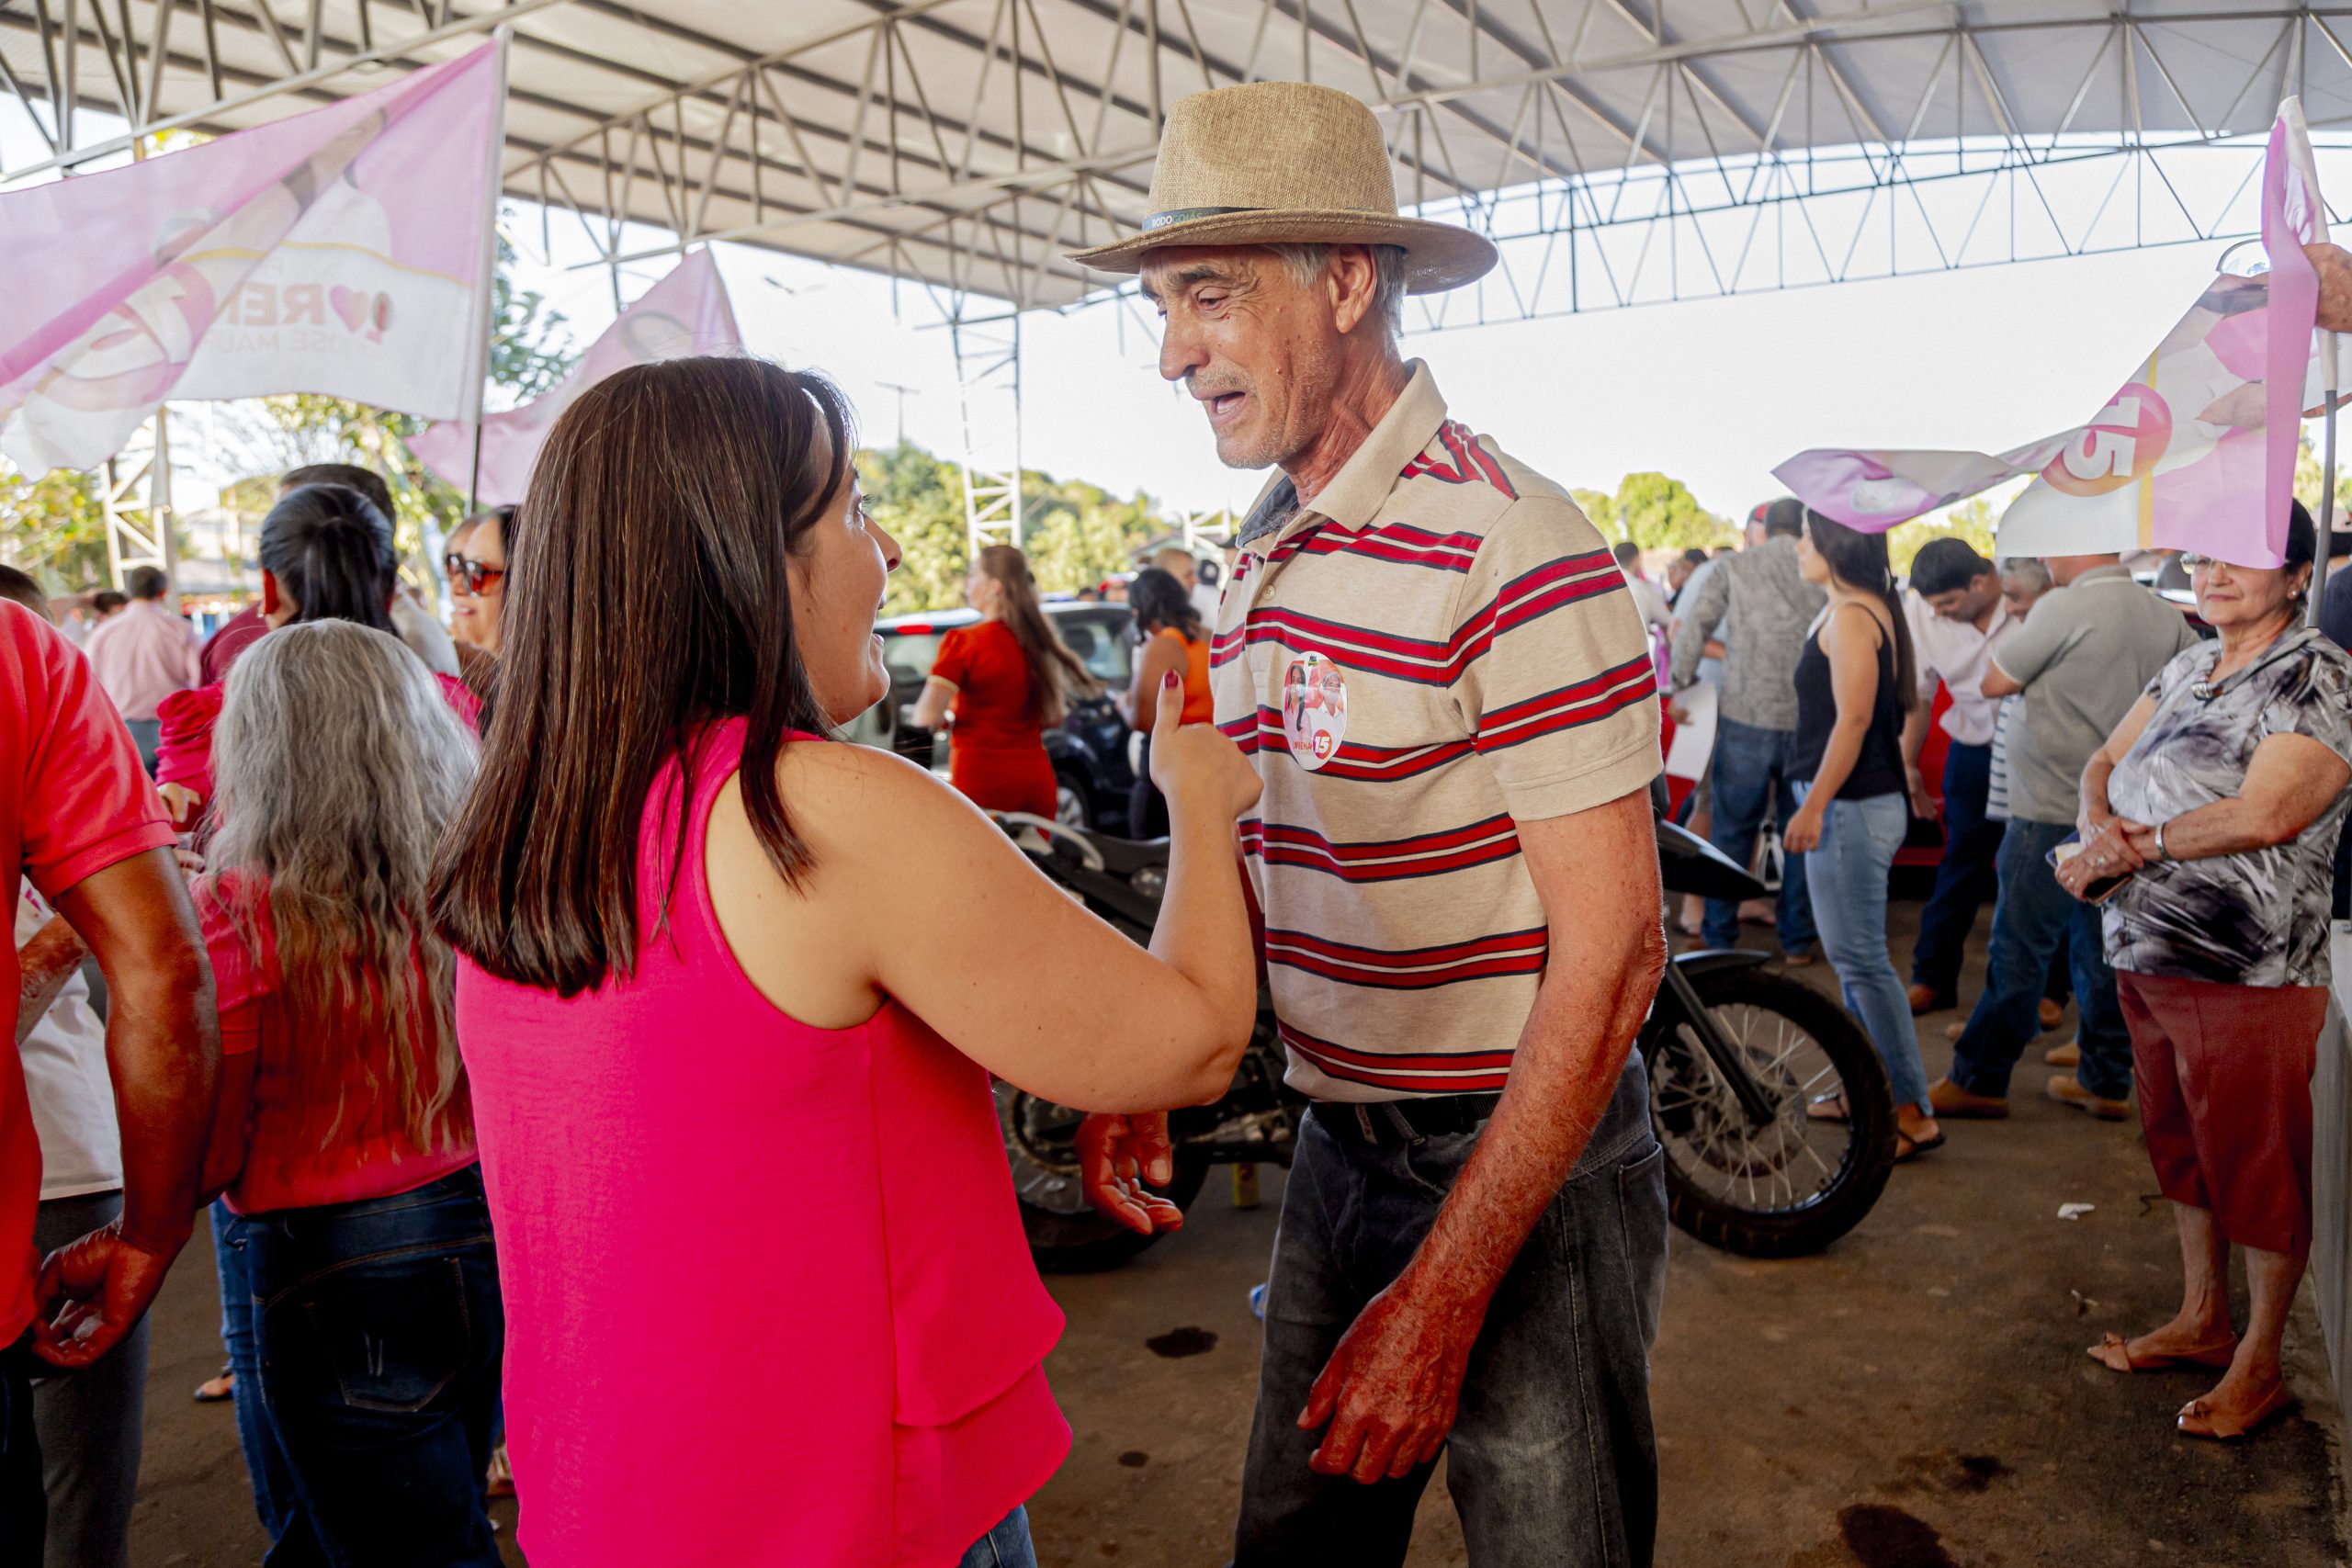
[[1439, 645]]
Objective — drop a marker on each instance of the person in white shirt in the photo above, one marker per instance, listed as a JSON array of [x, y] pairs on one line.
[[1648, 597], [1179, 564], [1958, 619]]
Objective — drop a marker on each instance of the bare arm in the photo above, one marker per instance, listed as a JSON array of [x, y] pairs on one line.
[[2096, 813], [224, 1149], [1997, 681], [1915, 741], [931, 708], [918, 895], [2291, 780], [44, 964], [1391, 1387], [163, 1049], [1853, 679]]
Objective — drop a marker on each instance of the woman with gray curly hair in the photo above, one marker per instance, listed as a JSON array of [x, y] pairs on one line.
[[345, 1137]]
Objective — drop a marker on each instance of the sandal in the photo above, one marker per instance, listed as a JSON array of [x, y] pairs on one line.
[[2199, 1419], [2114, 1352], [1827, 1108], [1915, 1146], [213, 1390]]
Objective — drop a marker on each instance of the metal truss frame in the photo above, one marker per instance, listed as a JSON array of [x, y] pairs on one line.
[[1621, 152]]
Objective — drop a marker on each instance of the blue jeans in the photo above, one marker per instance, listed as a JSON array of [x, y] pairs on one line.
[[1751, 766], [265, 1464], [1848, 877], [379, 1331], [1551, 1458], [2033, 916], [1007, 1546], [1966, 876]]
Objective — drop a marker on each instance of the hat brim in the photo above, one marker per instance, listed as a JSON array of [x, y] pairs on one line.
[[1438, 256]]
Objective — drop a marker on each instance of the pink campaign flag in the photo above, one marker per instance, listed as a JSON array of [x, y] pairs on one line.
[[686, 313], [2195, 451], [338, 252]]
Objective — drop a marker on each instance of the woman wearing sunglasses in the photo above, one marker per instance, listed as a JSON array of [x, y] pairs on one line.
[[477, 566], [2219, 797]]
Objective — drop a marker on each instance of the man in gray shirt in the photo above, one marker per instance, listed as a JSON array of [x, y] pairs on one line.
[[2087, 649], [1769, 607]]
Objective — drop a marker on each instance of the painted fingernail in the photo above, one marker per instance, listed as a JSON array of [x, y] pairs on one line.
[[1169, 679]]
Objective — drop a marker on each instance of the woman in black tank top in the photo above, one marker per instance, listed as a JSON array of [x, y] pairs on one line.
[[1854, 682]]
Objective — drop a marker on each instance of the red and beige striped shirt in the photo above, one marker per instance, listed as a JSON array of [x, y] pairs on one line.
[[1439, 646]]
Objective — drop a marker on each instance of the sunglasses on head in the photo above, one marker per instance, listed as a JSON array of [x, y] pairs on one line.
[[475, 575]]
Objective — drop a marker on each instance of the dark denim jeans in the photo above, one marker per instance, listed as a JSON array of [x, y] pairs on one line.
[[23, 1509], [379, 1331], [1007, 1546], [1967, 876], [1552, 1461], [89, 1420], [1752, 778], [2031, 918]]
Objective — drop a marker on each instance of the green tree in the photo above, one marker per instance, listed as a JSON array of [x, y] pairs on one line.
[[919, 498], [2311, 479], [1973, 520], [1078, 534], [1655, 512], [54, 528]]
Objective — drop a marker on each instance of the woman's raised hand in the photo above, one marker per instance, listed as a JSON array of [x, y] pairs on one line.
[[1195, 765]]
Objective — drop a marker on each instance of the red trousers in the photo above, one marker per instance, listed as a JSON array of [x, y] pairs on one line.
[[2224, 1076]]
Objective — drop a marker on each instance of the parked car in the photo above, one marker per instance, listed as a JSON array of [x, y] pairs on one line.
[[1088, 749]]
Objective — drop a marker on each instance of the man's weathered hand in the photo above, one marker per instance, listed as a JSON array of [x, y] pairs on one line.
[[92, 1292], [1923, 804], [1391, 1388], [1116, 1155]]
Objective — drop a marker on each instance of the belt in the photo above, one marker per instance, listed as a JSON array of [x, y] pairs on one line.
[[1406, 1121]]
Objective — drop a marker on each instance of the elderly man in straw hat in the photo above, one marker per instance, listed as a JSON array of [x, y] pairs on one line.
[[1446, 689]]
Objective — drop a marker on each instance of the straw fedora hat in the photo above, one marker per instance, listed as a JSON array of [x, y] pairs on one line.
[[1285, 163]]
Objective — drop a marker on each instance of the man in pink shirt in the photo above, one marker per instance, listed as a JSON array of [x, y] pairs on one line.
[[142, 656], [79, 821]]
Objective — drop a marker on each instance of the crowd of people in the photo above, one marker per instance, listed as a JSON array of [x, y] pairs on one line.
[[2155, 815], [497, 987]]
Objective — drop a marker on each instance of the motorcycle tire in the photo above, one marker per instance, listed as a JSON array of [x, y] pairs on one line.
[[1066, 1234], [1695, 1118], [1093, 1243]]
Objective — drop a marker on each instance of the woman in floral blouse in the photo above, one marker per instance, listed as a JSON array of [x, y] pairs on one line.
[[2218, 800]]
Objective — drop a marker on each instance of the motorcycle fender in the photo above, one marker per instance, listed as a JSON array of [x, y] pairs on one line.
[[1714, 960]]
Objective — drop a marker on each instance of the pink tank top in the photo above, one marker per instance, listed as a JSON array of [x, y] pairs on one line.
[[767, 1297]]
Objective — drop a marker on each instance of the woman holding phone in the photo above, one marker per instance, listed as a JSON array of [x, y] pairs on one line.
[[2217, 802], [730, 996]]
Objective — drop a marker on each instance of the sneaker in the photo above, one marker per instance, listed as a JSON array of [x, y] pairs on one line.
[[2052, 1013], [1948, 1099], [2070, 1055], [1926, 999], [2067, 1090]]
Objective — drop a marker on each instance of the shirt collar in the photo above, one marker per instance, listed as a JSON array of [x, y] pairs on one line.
[[1354, 496], [2103, 574]]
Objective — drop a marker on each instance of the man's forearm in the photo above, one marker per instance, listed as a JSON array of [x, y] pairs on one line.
[[44, 964], [1562, 1077], [1915, 737]]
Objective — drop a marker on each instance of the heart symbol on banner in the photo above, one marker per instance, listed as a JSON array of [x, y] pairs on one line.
[[350, 304]]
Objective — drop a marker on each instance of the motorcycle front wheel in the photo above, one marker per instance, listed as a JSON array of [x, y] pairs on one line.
[[1792, 1184], [1067, 1235]]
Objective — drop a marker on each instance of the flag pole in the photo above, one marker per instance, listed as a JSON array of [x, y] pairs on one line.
[[2327, 482], [485, 321]]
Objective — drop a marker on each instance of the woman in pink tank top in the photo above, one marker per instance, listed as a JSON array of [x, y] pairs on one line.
[[729, 998]]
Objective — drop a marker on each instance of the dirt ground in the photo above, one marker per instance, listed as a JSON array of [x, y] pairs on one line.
[[1916, 1398]]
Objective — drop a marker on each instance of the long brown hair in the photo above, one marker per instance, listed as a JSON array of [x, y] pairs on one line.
[[647, 598], [1860, 561], [1055, 673]]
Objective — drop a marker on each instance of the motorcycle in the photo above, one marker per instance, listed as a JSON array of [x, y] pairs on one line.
[[1738, 1059]]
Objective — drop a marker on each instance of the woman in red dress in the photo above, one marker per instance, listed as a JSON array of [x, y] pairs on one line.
[[1006, 680]]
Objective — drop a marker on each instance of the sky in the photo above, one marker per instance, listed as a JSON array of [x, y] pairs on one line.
[[1713, 391]]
